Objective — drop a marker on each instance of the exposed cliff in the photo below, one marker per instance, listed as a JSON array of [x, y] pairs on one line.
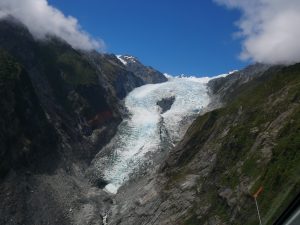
[[146, 73], [59, 106]]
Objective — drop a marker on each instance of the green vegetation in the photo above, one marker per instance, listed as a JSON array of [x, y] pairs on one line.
[[25, 132], [72, 78], [67, 63], [281, 178], [75, 70], [9, 69], [261, 147]]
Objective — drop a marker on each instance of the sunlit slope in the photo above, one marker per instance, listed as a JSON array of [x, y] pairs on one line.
[[254, 141]]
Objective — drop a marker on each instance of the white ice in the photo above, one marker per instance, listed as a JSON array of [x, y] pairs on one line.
[[139, 134]]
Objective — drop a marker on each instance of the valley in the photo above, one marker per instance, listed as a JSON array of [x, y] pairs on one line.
[[150, 131], [90, 138]]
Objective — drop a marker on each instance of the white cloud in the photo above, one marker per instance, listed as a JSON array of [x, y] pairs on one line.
[[43, 19], [270, 29]]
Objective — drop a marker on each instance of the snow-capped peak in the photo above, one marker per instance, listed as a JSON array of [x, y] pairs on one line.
[[130, 58], [125, 59], [121, 59]]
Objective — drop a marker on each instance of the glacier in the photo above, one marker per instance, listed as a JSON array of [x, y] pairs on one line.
[[139, 135]]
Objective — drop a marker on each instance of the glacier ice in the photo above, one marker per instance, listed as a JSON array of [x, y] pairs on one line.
[[139, 134]]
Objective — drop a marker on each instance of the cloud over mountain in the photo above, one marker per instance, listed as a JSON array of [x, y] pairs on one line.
[[43, 19], [269, 28]]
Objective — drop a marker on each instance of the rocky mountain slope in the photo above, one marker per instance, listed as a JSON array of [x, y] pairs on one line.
[[225, 156], [58, 107], [147, 73]]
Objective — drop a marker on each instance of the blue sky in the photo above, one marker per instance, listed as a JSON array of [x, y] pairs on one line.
[[193, 37]]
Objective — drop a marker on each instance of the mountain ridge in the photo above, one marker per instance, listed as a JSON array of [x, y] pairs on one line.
[[60, 106], [149, 74]]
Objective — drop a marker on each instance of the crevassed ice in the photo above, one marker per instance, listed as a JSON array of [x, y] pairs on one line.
[[139, 134]]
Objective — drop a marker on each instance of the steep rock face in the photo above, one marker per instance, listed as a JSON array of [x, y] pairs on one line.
[[225, 156], [55, 116], [146, 73], [67, 85], [24, 143], [119, 80], [59, 106], [224, 87]]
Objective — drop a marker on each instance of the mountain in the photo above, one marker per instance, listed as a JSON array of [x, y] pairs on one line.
[[75, 125], [226, 155], [146, 73], [59, 106]]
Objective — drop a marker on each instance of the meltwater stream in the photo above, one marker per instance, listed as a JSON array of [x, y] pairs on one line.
[[140, 134]]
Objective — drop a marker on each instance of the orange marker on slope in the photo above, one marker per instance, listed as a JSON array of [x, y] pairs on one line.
[[256, 194]]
